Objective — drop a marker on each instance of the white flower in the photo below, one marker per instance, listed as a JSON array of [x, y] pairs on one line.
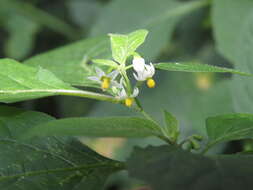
[[144, 72], [106, 80], [122, 95], [128, 100]]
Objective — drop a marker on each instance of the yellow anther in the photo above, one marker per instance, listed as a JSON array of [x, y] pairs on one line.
[[129, 102], [105, 83], [151, 83]]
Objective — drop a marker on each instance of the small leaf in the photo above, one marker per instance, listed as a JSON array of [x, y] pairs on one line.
[[179, 169], [96, 127], [229, 127], [124, 45], [172, 128], [196, 67]]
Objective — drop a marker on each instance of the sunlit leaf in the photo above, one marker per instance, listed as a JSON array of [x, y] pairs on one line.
[[74, 60], [196, 67], [124, 45], [20, 82]]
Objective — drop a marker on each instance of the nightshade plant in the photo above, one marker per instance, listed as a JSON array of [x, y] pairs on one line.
[[30, 160]]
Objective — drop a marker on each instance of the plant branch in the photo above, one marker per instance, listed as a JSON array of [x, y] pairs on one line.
[[147, 116]]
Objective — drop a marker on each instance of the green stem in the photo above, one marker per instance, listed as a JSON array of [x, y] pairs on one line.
[[147, 116], [116, 166], [87, 94], [206, 149], [128, 84], [65, 92]]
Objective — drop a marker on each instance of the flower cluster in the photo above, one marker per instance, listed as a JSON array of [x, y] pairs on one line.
[[122, 90]]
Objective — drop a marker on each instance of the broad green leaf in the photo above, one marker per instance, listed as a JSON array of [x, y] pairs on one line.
[[125, 45], [71, 63], [233, 35], [230, 25], [172, 127], [22, 32], [97, 127], [158, 17], [197, 67], [20, 82], [179, 169], [229, 127], [46, 163], [106, 62]]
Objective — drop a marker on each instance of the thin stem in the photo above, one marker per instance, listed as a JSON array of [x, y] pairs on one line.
[[206, 149], [147, 116], [118, 166], [128, 84], [66, 92]]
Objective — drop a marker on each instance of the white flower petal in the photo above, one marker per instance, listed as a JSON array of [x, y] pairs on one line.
[[152, 68], [113, 74], [100, 72], [122, 94], [135, 92], [138, 64], [94, 78], [115, 84]]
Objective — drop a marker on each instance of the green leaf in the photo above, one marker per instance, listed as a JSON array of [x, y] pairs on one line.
[[20, 82], [158, 17], [179, 169], [233, 35], [125, 45], [172, 127], [231, 23], [96, 127], [196, 67], [46, 163], [106, 62], [73, 60], [229, 127]]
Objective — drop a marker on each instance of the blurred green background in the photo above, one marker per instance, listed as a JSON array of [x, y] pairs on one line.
[[31, 27]]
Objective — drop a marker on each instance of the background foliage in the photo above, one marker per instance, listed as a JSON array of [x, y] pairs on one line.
[[217, 32]]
